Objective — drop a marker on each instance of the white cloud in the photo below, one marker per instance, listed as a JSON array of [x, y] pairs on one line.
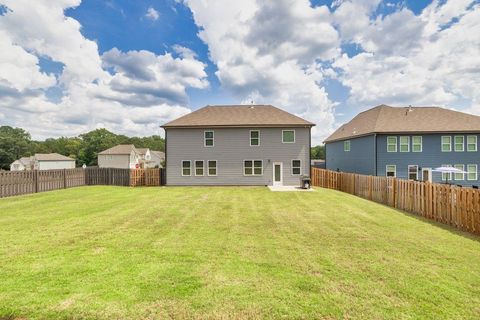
[[127, 92], [152, 14]]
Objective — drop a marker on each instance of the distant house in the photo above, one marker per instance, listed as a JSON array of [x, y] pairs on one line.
[[122, 156], [318, 163], [21, 164], [237, 145], [43, 161], [407, 143], [157, 157]]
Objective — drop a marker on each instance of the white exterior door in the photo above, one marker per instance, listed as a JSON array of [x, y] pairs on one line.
[[277, 174]]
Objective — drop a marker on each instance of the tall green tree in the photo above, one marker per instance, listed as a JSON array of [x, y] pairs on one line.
[[318, 152], [96, 141], [14, 144]]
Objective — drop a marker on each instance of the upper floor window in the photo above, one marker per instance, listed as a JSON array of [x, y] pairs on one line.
[[186, 168], [296, 167], [208, 135], [253, 167], [459, 143], [346, 145], [391, 144], [446, 143], [471, 143], [472, 172], [417, 144], [391, 170], [254, 137], [288, 136], [404, 144]]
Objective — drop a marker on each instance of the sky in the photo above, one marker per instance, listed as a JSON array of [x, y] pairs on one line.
[[70, 66]]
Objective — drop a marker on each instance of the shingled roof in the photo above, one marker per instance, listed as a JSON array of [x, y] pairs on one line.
[[238, 116], [387, 119], [120, 149], [51, 157]]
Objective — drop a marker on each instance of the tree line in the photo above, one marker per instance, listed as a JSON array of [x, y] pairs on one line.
[[17, 142]]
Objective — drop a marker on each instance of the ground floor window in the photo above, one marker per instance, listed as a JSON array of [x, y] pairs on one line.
[[212, 167], [459, 176], [391, 170], [413, 172], [296, 167], [186, 168], [472, 174], [253, 167], [446, 175], [199, 167]]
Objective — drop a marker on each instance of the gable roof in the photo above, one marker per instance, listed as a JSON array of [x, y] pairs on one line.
[[159, 154], [387, 119], [120, 149], [51, 157], [238, 116], [142, 151]]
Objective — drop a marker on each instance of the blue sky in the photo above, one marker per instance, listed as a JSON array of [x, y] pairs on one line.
[[130, 65]]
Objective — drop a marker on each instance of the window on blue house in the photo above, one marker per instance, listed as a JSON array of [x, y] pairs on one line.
[[459, 143], [446, 175], [391, 170], [472, 172], [392, 144], [417, 144], [446, 143], [472, 143], [346, 146], [404, 144], [459, 176]]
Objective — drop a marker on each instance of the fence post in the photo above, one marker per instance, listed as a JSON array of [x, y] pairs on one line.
[[394, 188], [35, 180], [64, 178]]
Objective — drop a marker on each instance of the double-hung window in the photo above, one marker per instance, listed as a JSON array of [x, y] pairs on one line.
[[296, 167], [391, 170], [459, 176], [459, 143], [253, 167], [446, 143], [472, 174], [186, 168], [413, 172], [392, 144], [472, 143], [346, 145], [288, 136], [446, 175], [417, 144], [254, 137], [199, 167], [212, 167], [208, 138], [404, 144]]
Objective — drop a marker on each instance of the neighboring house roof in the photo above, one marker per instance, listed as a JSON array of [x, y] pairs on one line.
[[159, 154], [238, 116], [386, 119], [120, 149], [25, 161], [51, 157], [142, 151]]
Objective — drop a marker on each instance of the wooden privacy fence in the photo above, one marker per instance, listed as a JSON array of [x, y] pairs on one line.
[[14, 183], [452, 205]]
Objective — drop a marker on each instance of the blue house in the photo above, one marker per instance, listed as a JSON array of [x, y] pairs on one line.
[[408, 143]]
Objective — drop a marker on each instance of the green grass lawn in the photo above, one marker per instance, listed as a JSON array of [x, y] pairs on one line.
[[153, 253]]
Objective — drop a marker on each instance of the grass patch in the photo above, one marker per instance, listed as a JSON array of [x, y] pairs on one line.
[[149, 253]]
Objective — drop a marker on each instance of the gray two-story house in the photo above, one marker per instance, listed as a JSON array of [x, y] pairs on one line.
[[408, 142], [237, 145]]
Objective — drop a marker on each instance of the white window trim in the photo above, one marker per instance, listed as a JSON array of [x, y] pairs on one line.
[[421, 143], [205, 139], [450, 144], [476, 172], [400, 143], [408, 171], [216, 169], [455, 174], [291, 167], [476, 143], [447, 174], [195, 168], [396, 143], [250, 138], [181, 168], [253, 168], [349, 145], [294, 135], [394, 172], [455, 143]]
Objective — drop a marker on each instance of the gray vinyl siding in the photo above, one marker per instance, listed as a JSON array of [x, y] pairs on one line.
[[430, 157], [231, 148], [360, 159], [114, 161]]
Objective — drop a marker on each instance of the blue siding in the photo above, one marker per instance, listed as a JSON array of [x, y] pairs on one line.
[[430, 157], [360, 158]]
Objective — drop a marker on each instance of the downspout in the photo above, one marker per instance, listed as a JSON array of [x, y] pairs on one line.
[[375, 152]]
